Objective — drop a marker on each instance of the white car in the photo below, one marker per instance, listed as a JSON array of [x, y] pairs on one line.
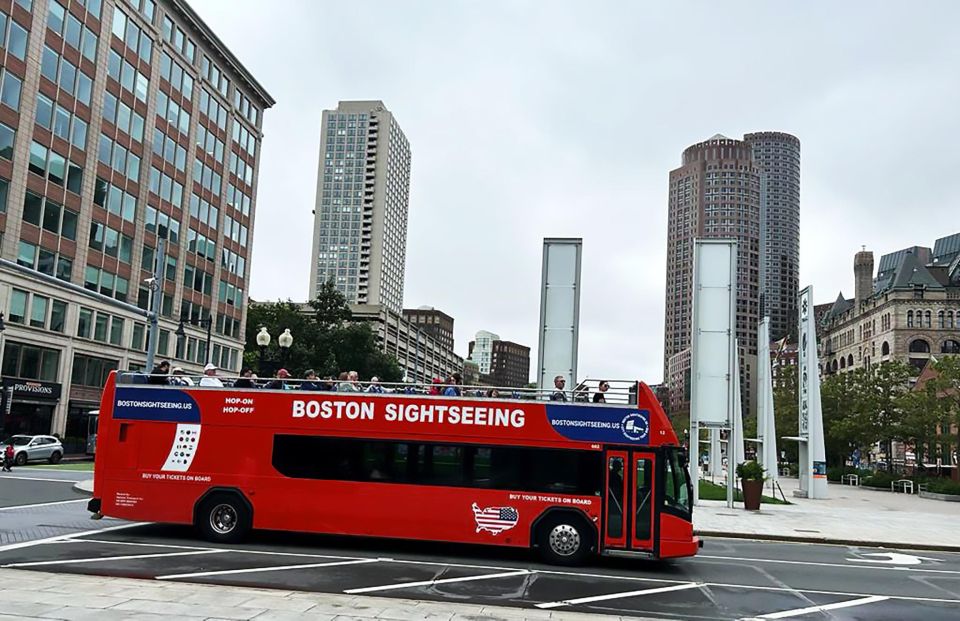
[[34, 448]]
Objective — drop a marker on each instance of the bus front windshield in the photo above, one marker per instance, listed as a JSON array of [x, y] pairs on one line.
[[677, 487]]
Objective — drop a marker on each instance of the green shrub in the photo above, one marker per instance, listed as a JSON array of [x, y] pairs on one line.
[[879, 479], [750, 471], [944, 486]]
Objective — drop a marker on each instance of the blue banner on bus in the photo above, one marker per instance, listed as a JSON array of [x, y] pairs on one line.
[[600, 424], [165, 406]]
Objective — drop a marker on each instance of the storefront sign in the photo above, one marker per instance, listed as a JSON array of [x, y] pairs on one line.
[[31, 389]]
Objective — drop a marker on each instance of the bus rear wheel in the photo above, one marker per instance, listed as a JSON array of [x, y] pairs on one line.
[[224, 518], [564, 539]]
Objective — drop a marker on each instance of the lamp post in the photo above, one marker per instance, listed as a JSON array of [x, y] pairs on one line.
[[285, 340], [203, 323], [263, 341]]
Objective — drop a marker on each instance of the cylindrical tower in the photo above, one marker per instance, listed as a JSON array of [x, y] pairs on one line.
[[777, 156]]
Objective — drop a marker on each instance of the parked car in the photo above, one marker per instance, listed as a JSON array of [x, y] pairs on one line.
[[35, 448]]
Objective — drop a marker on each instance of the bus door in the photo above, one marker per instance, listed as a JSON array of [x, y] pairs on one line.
[[629, 515]]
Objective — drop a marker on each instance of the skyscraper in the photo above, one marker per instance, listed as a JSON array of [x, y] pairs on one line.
[[360, 217], [121, 124], [777, 155], [714, 194]]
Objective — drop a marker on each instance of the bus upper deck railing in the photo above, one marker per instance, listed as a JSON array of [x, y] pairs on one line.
[[619, 392]]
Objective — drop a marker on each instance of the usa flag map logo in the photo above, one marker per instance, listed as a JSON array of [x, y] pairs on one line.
[[495, 520]]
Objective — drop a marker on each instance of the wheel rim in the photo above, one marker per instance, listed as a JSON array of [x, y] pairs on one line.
[[223, 519], [564, 540]]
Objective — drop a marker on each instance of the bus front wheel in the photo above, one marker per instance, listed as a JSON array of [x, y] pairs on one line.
[[224, 518], [564, 539]]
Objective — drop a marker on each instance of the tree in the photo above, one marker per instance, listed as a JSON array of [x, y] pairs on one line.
[[324, 339], [947, 387], [786, 402]]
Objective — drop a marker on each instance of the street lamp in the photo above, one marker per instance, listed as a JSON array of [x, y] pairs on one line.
[[203, 323], [263, 340], [285, 340]]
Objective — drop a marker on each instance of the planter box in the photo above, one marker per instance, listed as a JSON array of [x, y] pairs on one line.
[[936, 496]]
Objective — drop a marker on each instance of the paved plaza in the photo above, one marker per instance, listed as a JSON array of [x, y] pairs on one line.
[[857, 515]]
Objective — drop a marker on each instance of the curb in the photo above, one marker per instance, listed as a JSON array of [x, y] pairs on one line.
[[830, 541], [84, 487]]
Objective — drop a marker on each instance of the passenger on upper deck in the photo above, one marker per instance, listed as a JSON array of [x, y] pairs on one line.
[[375, 386], [279, 381], [180, 378], [559, 395], [453, 388], [160, 374], [311, 381], [598, 397], [246, 379], [210, 376], [352, 383]]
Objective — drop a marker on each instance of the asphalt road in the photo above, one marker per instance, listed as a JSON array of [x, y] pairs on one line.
[[730, 579]]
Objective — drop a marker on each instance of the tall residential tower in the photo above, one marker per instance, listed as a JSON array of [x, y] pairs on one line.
[[360, 217], [777, 156]]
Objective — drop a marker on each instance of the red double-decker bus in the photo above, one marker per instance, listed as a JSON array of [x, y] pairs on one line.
[[569, 479]]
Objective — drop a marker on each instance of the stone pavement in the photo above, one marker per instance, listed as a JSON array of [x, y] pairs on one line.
[[855, 515], [37, 595]]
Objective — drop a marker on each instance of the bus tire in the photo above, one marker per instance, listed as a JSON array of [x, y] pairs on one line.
[[55, 457], [224, 517], [564, 538]]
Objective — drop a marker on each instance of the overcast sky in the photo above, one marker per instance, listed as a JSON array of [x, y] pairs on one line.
[[537, 119]]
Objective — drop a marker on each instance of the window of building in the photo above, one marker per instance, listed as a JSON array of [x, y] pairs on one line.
[[115, 200], [66, 75], [7, 138], [122, 116], [14, 36], [52, 216], [30, 362], [127, 76], [92, 371], [10, 90], [44, 261], [48, 163], [131, 34]]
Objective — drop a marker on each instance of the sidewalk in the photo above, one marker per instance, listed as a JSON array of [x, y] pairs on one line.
[[852, 515], [37, 595]]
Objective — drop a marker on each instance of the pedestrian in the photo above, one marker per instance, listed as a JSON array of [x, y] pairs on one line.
[[558, 395], [453, 385], [598, 397], [246, 379], [160, 374], [279, 382], [311, 381], [375, 386], [210, 378], [180, 378], [8, 457]]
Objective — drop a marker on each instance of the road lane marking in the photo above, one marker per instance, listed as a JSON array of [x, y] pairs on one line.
[[108, 558], [600, 598], [44, 504], [405, 585], [237, 550], [20, 478], [67, 536], [866, 564], [805, 611], [251, 570]]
